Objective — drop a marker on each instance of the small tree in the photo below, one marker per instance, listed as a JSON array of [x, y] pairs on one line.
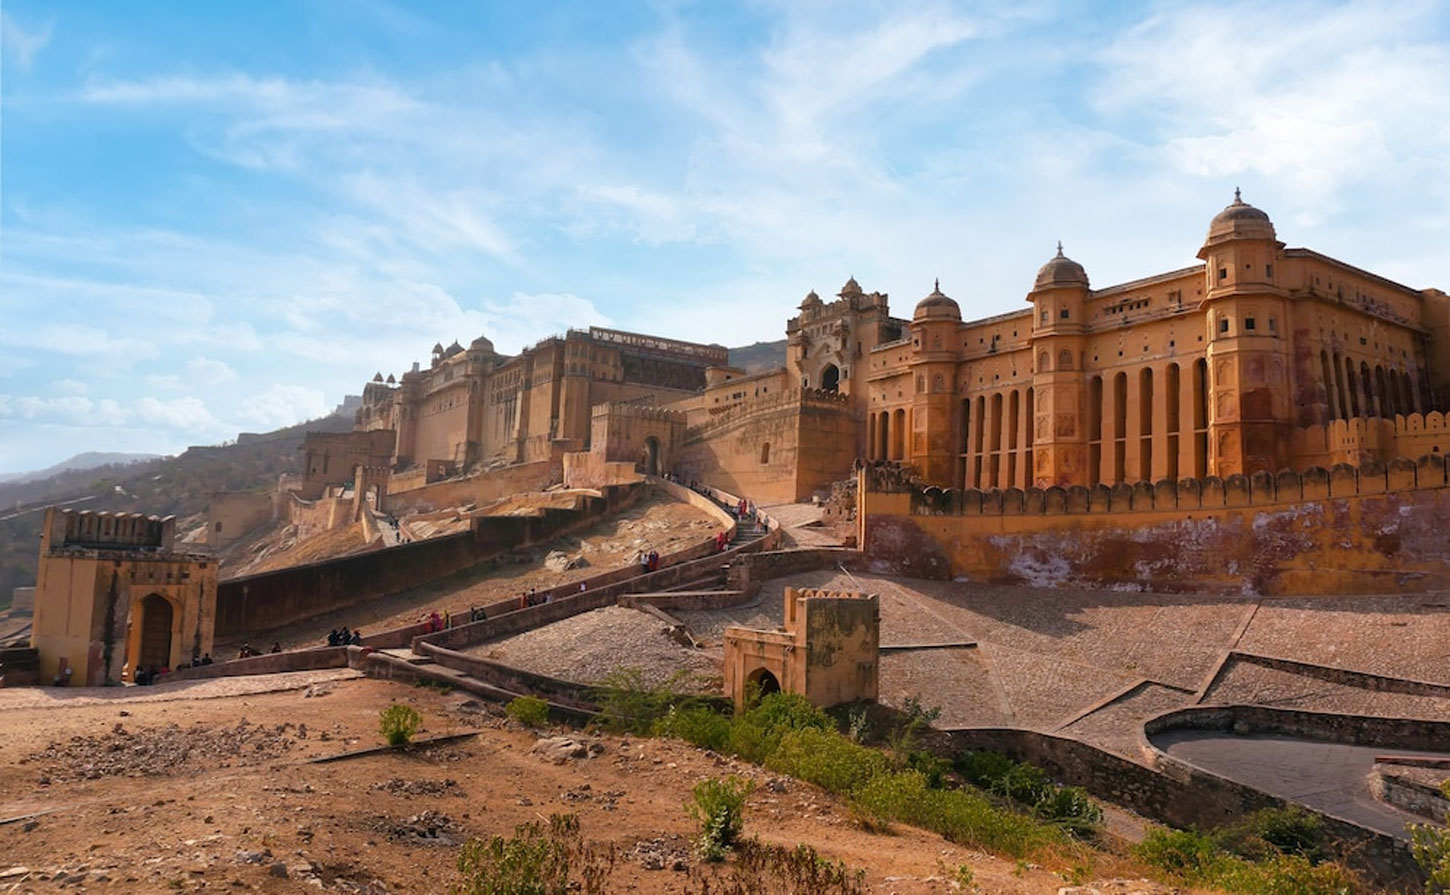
[[397, 723], [529, 711]]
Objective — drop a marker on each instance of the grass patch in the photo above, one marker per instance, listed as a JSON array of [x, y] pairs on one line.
[[718, 810], [1272, 851], [539, 859]]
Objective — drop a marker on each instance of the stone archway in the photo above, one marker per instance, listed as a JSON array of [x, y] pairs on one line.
[[830, 378], [762, 682], [156, 620], [651, 458]]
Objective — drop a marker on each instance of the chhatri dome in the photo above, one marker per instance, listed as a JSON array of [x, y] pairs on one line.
[[1240, 220], [1061, 271], [812, 301], [936, 306], [481, 343], [851, 288]]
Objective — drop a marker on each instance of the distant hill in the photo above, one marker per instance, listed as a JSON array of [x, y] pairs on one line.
[[760, 357], [165, 486], [88, 460]]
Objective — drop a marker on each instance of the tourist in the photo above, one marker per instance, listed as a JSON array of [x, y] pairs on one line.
[[246, 652], [435, 622], [141, 678], [357, 638], [206, 658], [333, 638], [447, 620], [344, 637], [276, 646]]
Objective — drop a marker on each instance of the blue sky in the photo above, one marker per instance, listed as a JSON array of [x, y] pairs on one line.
[[225, 217]]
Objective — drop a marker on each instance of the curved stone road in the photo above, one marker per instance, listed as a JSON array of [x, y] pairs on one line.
[[1329, 777]]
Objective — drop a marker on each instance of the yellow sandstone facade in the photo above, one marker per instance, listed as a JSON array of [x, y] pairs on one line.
[[111, 596], [1259, 359]]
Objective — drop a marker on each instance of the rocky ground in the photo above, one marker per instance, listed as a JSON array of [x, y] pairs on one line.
[[226, 793]]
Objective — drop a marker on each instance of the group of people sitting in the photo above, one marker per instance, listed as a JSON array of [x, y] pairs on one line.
[[143, 675], [649, 562], [248, 651], [344, 637], [436, 622]]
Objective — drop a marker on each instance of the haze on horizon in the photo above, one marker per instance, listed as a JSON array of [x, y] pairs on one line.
[[225, 218]]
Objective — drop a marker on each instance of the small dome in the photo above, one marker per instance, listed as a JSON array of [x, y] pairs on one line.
[[936, 306], [391, 380], [437, 347], [1060, 271], [481, 344], [1240, 220], [812, 301], [377, 377], [851, 288], [453, 349]]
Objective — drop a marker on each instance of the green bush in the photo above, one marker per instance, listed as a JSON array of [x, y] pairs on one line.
[[536, 860], [1197, 859], [983, 769], [626, 705], [704, 727], [397, 723], [529, 711], [960, 815], [718, 810], [1071, 808], [1431, 847], [826, 759], [1271, 831]]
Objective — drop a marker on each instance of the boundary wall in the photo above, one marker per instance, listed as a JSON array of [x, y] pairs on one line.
[[257, 603], [1173, 792], [1375, 528], [480, 489]]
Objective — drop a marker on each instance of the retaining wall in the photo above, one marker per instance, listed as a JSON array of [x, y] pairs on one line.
[[269, 600], [1374, 529]]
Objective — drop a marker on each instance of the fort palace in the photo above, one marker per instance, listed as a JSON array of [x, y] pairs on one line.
[[1256, 358]]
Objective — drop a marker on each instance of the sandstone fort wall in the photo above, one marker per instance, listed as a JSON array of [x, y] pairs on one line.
[[1376, 528]]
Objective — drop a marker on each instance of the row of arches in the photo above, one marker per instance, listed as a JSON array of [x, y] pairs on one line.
[[1148, 425], [1142, 425], [1353, 393]]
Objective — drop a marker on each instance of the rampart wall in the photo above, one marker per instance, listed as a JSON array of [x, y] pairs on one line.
[[777, 449], [268, 600], [1375, 528], [480, 489]]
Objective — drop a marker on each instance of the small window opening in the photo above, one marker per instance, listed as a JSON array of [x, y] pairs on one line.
[[1223, 324], [1249, 323]]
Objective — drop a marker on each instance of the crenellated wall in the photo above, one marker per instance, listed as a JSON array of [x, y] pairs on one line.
[[1375, 528], [777, 449]]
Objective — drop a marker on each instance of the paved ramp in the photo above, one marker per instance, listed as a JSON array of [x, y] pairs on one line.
[[1328, 777]]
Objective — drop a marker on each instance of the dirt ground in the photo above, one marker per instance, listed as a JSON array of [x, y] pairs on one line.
[[655, 523], [157, 790]]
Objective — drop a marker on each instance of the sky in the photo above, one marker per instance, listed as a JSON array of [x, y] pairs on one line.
[[224, 217]]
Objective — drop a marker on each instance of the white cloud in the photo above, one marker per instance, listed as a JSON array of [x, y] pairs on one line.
[[206, 371], [283, 405], [1312, 97], [70, 387], [185, 414], [22, 45]]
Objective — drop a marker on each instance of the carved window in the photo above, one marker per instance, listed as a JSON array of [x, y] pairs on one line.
[[1044, 362], [1064, 360], [938, 384], [765, 453]]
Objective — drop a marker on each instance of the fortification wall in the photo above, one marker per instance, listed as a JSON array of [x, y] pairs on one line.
[[1378, 528], [260, 602], [484, 488], [777, 449], [231, 514]]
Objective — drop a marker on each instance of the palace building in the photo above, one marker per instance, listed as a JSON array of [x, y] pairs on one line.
[[1257, 358]]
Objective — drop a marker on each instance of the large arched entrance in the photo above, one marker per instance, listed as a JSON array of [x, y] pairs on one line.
[[651, 458], [762, 682], [830, 378], [156, 618]]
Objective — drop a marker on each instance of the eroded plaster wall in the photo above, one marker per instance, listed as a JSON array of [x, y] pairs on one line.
[[1371, 530]]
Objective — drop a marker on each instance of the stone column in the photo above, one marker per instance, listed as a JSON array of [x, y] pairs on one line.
[[1109, 441], [1187, 433], [1162, 400]]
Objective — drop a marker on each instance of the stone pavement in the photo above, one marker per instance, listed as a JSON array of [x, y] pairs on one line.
[[1328, 777]]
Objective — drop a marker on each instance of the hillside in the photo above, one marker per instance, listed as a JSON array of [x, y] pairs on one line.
[[759, 357], [178, 486], [87, 460]]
